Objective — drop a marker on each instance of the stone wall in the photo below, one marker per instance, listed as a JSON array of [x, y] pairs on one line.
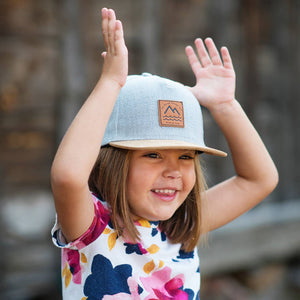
[[50, 60]]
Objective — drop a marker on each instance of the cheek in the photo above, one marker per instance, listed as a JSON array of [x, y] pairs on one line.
[[137, 180], [190, 179]]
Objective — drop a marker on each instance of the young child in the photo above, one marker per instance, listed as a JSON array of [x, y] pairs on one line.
[[130, 216]]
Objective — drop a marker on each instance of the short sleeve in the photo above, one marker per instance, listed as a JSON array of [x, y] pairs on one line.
[[101, 219]]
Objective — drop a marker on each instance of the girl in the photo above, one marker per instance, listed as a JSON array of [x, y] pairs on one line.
[[130, 216]]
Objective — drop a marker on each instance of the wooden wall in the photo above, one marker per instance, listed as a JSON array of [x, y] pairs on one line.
[[50, 60]]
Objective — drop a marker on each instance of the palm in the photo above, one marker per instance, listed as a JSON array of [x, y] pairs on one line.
[[116, 55], [215, 80]]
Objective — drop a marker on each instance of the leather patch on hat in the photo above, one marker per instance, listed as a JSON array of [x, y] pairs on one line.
[[170, 113]]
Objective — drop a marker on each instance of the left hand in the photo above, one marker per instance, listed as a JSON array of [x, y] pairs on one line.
[[215, 77]]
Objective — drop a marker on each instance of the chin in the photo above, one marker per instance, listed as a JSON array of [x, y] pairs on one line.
[[154, 216], [164, 217]]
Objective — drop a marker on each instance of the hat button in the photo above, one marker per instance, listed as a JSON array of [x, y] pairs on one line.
[[146, 74]]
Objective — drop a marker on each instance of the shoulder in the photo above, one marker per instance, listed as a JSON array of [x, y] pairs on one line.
[[100, 221]]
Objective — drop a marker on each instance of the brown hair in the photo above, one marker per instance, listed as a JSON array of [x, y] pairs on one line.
[[108, 181]]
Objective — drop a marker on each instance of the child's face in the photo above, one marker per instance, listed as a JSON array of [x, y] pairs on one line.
[[158, 182]]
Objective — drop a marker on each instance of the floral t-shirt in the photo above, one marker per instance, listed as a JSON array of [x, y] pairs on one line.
[[101, 265]]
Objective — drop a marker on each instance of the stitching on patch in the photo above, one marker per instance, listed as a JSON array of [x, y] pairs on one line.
[[170, 113]]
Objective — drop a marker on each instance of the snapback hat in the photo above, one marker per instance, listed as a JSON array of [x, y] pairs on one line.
[[152, 112]]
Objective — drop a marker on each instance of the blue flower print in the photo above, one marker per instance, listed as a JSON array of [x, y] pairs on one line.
[[154, 231], [163, 236], [135, 248], [185, 255], [190, 294], [106, 280]]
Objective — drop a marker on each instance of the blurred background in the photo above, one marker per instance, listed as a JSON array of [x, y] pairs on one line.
[[50, 59]]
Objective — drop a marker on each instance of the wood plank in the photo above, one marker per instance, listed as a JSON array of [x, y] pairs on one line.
[[243, 246]]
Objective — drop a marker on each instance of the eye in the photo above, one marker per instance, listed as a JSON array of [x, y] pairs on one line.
[[186, 157], [152, 155]]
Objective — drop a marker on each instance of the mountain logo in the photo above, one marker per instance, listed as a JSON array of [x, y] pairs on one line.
[[170, 113]]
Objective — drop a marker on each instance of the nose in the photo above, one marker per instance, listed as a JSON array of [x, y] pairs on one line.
[[172, 169]]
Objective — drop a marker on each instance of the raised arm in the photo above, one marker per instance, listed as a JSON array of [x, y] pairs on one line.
[[256, 175], [80, 146]]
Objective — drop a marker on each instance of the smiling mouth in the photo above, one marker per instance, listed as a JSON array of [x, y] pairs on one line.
[[165, 191], [165, 194]]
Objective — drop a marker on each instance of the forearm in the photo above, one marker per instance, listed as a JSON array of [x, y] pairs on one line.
[[80, 146], [250, 157], [256, 175]]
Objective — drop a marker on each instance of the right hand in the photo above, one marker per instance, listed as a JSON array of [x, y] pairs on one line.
[[215, 76], [115, 65]]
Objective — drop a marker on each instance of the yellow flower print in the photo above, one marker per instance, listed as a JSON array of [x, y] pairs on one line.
[[149, 267], [153, 249], [106, 231], [144, 223], [161, 264], [112, 238], [67, 274], [83, 258]]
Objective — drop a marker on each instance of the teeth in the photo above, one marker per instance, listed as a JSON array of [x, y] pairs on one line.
[[165, 191]]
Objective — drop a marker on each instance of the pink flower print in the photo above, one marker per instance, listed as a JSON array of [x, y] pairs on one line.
[[72, 268], [71, 263], [161, 287], [134, 290], [98, 225], [173, 288]]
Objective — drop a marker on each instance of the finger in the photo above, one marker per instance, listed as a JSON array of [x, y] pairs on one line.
[[119, 30], [103, 54], [119, 37], [104, 24], [226, 58], [111, 30], [203, 54], [213, 52], [193, 59]]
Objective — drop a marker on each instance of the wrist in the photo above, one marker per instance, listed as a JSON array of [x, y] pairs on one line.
[[111, 82], [224, 107]]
